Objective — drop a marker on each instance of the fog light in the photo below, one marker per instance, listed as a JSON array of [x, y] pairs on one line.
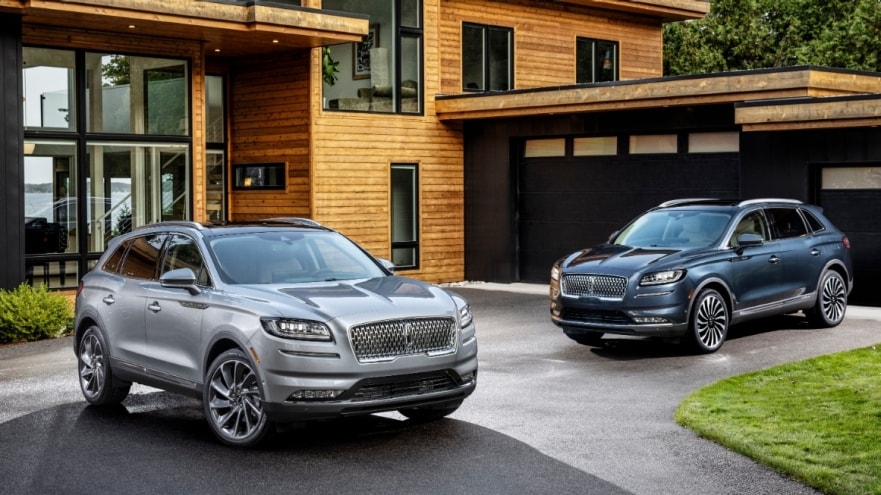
[[314, 395], [650, 319]]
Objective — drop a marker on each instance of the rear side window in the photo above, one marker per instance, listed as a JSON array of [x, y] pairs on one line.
[[141, 259], [813, 222], [114, 262], [787, 222]]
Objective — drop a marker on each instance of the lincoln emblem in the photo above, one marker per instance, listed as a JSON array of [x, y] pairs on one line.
[[408, 335]]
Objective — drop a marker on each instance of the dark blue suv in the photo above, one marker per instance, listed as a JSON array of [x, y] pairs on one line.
[[690, 268]]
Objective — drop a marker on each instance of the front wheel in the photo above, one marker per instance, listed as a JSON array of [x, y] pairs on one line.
[[831, 303], [233, 401], [709, 321], [96, 376]]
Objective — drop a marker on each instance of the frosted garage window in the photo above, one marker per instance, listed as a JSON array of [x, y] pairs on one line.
[[714, 142], [536, 148], [852, 178], [653, 143], [595, 146]]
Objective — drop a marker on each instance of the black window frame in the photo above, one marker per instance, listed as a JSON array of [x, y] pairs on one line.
[[414, 213], [487, 59], [595, 62]]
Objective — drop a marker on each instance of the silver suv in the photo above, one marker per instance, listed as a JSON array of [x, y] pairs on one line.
[[272, 322]]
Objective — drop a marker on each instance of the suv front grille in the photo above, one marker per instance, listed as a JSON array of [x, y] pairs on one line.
[[594, 286], [386, 340], [605, 317]]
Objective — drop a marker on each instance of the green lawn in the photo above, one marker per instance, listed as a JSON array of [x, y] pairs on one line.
[[818, 421]]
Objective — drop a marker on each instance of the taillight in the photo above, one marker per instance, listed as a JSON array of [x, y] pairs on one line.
[[846, 242], [79, 288]]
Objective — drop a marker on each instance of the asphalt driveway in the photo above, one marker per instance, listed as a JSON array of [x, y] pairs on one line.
[[549, 416]]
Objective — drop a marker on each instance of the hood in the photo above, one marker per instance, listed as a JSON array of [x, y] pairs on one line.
[[371, 299], [610, 258]]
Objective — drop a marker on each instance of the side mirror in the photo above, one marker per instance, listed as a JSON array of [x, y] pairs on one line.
[[388, 265], [182, 278], [747, 240]]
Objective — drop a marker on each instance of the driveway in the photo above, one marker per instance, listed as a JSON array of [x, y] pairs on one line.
[[549, 416]]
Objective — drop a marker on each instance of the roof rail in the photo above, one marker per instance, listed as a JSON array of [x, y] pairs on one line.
[[769, 200], [685, 201], [181, 223], [307, 222]]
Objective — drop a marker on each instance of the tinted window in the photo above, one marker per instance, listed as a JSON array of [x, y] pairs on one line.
[[115, 260], [182, 252], [143, 256], [813, 223], [788, 222]]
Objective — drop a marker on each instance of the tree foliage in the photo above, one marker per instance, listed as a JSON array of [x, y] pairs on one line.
[[753, 34]]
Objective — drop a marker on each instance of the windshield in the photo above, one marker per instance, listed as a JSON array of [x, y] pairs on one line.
[[277, 257], [674, 229]]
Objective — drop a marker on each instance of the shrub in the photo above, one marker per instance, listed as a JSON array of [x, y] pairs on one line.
[[33, 313]]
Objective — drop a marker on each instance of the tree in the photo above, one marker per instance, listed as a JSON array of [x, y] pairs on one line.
[[752, 34]]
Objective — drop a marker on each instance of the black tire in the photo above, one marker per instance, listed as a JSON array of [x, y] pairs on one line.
[[431, 413], [831, 304], [95, 374], [708, 325], [232, 400]]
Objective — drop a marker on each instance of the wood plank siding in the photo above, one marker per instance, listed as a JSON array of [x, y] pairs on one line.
[[544, 40]]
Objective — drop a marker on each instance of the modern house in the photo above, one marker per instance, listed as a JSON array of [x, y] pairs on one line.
[[463, 139]]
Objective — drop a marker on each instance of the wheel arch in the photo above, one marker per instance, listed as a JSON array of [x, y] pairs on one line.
[[719, 286]]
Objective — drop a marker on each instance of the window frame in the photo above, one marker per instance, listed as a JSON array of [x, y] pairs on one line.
[[486, 57], [596, 62], [414, 205]]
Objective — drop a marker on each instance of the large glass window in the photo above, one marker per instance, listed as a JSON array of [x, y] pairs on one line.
[[95, 164], [49, 88], [382, 73], [405, 216], [215, 166], [136, 95], [596, 60], [487, 58]]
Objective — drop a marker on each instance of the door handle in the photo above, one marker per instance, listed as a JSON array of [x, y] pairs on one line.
[[815, 252], [108, 300], [155, 307], [773, 259]]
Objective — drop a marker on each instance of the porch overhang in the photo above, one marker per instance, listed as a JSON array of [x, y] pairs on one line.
[[707, 89], [667, 10], [809, 113], [227, 28]]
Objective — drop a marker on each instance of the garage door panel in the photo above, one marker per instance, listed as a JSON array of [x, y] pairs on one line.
[[569, 204]]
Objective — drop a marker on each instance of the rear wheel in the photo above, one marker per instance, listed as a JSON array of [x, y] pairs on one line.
[[709, 321], [233, 401], [831, 303], [431, 413], [96, 377]]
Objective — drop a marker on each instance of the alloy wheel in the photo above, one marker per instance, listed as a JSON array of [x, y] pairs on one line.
[[234, 402], [833, 299], [711, 321], [92, 371]]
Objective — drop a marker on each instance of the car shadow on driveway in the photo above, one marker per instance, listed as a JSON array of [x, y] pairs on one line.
[[627, 348], [160, 443]]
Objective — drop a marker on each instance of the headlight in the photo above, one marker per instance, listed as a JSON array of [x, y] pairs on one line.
[[465, 316], [666, 277], [296, 329], [555, 273]]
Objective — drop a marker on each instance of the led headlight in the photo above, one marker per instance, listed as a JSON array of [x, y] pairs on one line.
[[665, 277], [555, 273], [296, 329], [465, 316]]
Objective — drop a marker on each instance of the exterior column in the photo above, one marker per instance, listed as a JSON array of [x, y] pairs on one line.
[[12, 268]]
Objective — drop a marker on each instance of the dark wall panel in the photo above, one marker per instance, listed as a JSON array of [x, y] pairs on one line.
[[11, 169]]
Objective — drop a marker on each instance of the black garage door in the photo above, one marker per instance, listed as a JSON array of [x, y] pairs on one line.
[[854, 207], [565, 204]]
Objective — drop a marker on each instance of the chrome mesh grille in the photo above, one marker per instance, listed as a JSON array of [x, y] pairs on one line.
[[594, 285], [384, 340]]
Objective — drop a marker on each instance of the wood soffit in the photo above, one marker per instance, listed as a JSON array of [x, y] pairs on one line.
[[667, 10], [809, 85], [233, 29]]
